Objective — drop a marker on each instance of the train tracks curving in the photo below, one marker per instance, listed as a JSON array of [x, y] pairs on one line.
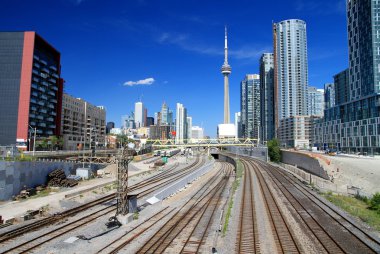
[[248, 235], [334, 231], [187, 221]]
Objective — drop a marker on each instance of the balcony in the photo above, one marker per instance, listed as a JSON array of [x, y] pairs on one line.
[[45, 83], [33, 100], [42, 124], [55, 75], [32, 115], [53, 68], [35, 72], [36, 65], [41, 103], [49, 132], [40, 117], [50, 119], [51, 93], [42, 110], [35, 86], [33, 108], [43, 97], [50, 106], [45, 70], [36, 79], [41, 89], [43, 62], [53, 81], [36, 57], [53, 100], [53, 113], [35, 94], [32, 123], [52, 126]]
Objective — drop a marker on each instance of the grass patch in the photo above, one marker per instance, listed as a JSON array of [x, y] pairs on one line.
[[42, 193], [235, 185], [357, 207], [135, 215]]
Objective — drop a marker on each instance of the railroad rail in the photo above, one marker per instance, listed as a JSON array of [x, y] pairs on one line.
[[33, 243], [334, 231], [152, 181], [247, 236], [188, 213], [197, 236]]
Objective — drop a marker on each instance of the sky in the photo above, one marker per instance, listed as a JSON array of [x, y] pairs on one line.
[[116, 52]]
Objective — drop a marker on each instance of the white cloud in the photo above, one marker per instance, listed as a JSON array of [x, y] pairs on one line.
[[183, 41], [147, 82]]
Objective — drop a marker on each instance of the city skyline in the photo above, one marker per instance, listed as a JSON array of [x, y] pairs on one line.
[[176, 56]]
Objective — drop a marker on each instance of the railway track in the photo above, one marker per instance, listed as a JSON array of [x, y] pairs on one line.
[[190, 213], [197, 237], [169, 176], [33, 243], [248, 235], [120, 242], [335, 233]]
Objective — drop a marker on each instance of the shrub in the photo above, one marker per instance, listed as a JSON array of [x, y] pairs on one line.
[[274, 151], [374, 203]]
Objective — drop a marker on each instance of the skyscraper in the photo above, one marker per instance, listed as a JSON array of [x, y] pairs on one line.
[[251, 97], [31, 88], [139, 114], [164, 114], [342, 87], [364, 49], [226, 71], [329, 95], [238, 133], [316, 101], [352, 125], [181, 124], [189, 123], [290, 79], [267, 97]]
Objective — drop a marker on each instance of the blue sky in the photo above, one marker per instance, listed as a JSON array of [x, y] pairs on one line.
[[178, 44]]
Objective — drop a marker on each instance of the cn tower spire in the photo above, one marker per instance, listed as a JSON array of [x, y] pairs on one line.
[[226, 70], [225, 46]]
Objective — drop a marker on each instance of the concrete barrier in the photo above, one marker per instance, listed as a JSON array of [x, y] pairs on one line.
[[260, 153], [305, 162], [182, 182]]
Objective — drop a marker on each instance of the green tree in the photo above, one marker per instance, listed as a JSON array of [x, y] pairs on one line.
[[374, 203], [53, 141], [274, 151]]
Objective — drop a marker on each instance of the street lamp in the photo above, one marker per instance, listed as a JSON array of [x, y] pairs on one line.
[[34, 139]]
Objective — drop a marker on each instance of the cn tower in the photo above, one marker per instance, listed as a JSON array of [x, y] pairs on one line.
[[226, 70]]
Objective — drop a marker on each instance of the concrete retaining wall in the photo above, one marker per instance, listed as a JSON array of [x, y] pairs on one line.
[[254, 152], [305, 162], [17, 174], [187, 179]]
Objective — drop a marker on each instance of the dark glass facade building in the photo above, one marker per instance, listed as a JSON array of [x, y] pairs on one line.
[[31, 87], [353, 125], [250, 105], [267, 97]]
